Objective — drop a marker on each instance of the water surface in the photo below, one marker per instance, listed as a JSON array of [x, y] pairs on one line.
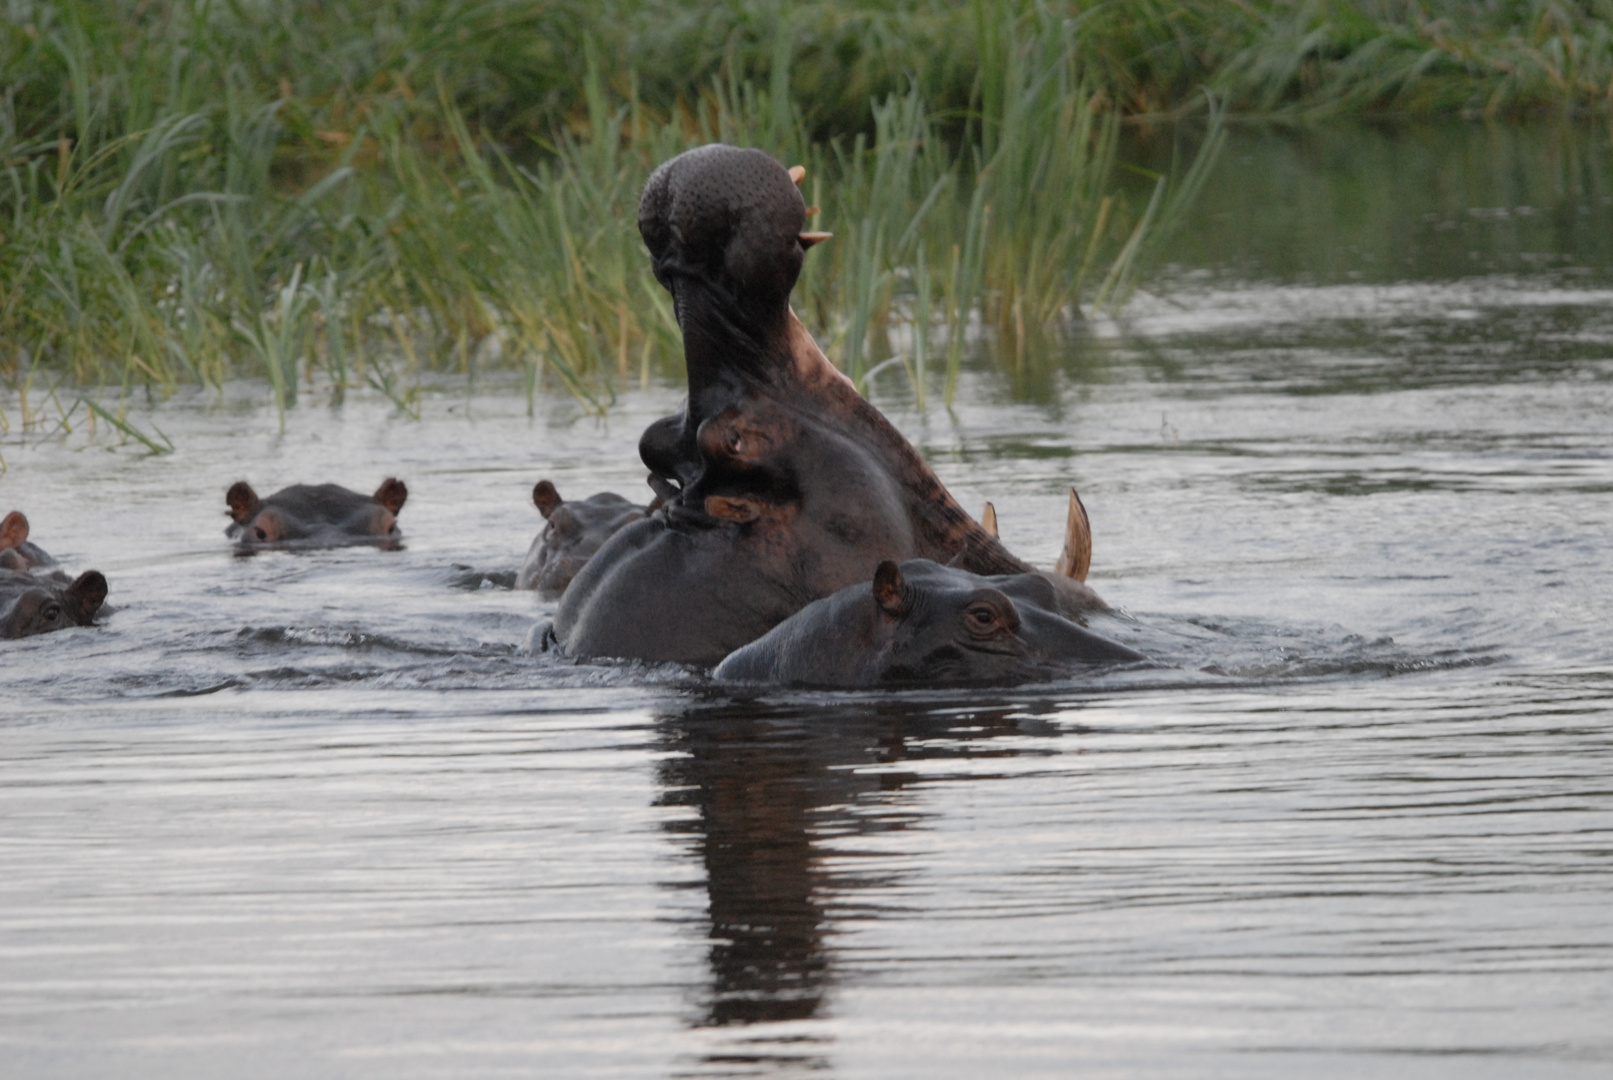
[[316, 814]]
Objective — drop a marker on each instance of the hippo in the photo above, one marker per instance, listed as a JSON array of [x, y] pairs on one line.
[[315, 516], [923, 624], [37, 604], [572, 533], [780, 484], [16, 551]]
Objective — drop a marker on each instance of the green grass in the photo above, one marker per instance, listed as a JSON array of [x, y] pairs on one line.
[[347, 194]]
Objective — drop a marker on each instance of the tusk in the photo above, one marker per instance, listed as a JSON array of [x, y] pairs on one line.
[[1076, 558], [797, 174], [810, 238], [988, 519]]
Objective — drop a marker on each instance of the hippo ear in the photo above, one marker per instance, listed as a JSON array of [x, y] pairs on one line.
[[890, 592], [13, 530], [85, 596], [391, 494], [730, 508], [242, 500], [546, 498], [1076, 558]]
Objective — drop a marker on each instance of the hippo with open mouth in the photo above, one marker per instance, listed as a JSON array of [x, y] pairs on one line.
[[923, 624], [780, 484], [314, 516], [573, 531]]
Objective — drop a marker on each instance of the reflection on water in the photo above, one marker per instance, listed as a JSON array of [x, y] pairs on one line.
[[785, 795], [1384, 204], [776, 788], [758, 792], [314, 813]]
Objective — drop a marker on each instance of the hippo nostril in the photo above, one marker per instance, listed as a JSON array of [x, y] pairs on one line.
[[261, 534]]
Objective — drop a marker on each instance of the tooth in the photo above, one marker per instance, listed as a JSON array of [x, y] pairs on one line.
[[988, 519], [1076, 557], [810, 238], [798, 174]]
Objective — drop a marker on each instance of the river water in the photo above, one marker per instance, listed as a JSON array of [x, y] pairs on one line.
[[315, 815]]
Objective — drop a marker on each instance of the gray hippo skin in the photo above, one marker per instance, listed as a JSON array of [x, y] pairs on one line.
[[572, 532], [314, 516], [16, 552], [928, 625], [780, 484], [32, 604]]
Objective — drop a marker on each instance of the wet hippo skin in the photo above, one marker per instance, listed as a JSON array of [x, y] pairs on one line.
[[780, 484], [573, 531], [925, 624], [314, 516]]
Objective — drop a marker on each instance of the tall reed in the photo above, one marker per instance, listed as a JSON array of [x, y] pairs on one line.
[[171, 215], [355, 194]]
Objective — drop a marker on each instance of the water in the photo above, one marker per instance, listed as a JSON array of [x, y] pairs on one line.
[[315, 815]]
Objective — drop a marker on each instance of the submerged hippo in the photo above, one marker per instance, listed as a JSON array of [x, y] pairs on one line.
[[572, 532], [37, 604], [925, 624], [780, 484], [315, 516], [16, 551]]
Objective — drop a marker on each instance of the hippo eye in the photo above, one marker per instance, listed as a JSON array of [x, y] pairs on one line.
[[981, 619], [51, 612]]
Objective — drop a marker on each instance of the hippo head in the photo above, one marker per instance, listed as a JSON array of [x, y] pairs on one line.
[[954, 634], [779, 483], [924, 624], [308, 515], [573, 531], [724, 231], [944, 625], [30, 605]]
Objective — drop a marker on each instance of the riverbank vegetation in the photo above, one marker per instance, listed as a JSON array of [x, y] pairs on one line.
[[351, 193]]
